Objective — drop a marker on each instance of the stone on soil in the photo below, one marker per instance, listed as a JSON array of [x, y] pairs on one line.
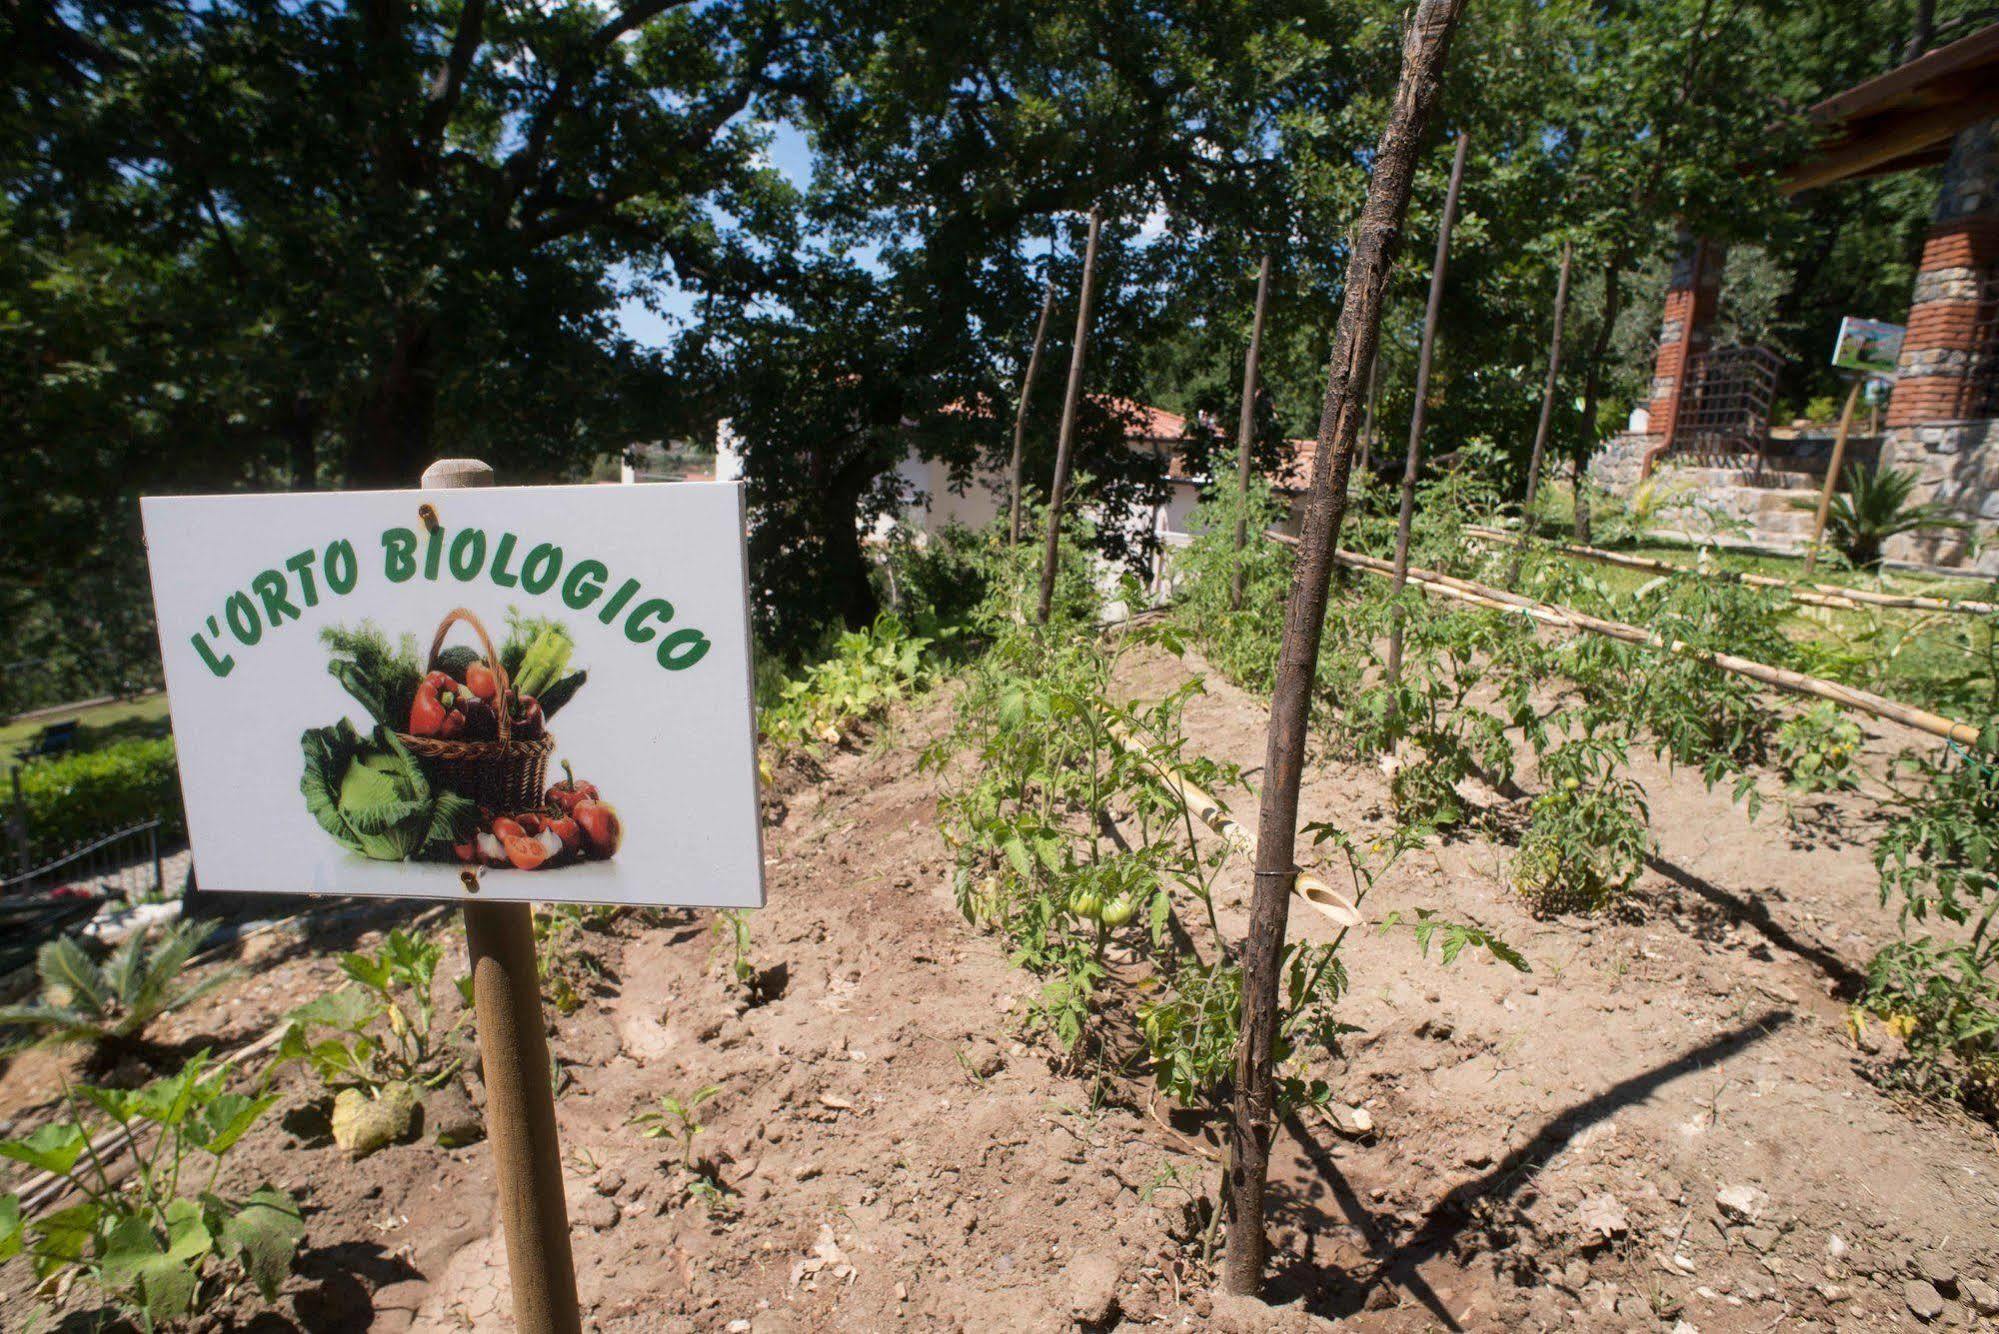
[[1923, 1298], [363, 1125], [1093, 1281]]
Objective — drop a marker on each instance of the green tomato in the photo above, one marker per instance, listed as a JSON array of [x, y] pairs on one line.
[[1118, 911], [1085, 903]]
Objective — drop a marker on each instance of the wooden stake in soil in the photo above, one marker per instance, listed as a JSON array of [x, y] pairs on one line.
[[1832, 474], [513, 1061], [1246, 426], [1423, 53], [1412, 461], [1020, 413], [1065, 444], [1547, 416]]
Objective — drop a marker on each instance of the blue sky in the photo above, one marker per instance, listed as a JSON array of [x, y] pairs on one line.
[[790, 154]]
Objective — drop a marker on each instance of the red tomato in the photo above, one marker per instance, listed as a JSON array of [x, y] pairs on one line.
[[505, 828], [526, 853], [482, 681], [566, 829]]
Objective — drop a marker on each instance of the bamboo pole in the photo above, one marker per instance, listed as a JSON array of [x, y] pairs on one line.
[[1020, 412], [1832, 475], [1816, 595], [1567, 618], [1065, 443], [1336, 907], [1412, 460], [1547, 408], [514, 1066], [1426, 43], [1246, 426]]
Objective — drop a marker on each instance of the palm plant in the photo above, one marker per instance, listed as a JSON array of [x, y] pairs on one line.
[[1876, 506], [111, 1003]]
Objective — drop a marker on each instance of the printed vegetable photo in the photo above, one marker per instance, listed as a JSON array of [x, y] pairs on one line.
[[456, 766]]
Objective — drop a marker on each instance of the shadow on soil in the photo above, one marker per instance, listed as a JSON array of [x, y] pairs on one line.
[[1324, 1206]]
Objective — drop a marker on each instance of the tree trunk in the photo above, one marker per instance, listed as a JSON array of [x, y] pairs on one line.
[[1066, 443], [393, 443], [1412, 459], [1613, 295], [1246, 426], [1423, 53], [1020, 413]]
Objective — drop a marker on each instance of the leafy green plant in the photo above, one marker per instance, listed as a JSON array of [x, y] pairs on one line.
[[732, 929], [567, 968], [866, 672], [1942, 999], [161, 1242], [371, 795], [1940, 856], [1586, 838], [677, 1119], [381, 1028], [70, 799], [1816, 750], [1876, 505], [111, 1002]]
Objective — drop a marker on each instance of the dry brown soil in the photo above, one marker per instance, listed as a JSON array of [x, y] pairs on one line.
[[897, 1154]]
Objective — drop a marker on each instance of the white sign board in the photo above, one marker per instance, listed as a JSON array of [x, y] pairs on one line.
[[387, 692]]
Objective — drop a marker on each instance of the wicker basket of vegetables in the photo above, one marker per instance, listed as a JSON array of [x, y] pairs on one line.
[[476, 732]]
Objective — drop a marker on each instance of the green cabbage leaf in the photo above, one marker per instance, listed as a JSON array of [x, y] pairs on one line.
[[370, 793]]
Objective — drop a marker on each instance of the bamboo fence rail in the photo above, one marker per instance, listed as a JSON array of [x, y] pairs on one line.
[[1565, 618], [1817, 595], [1329, 902]]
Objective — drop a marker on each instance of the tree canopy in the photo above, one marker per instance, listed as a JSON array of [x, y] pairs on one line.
[[249, 244]]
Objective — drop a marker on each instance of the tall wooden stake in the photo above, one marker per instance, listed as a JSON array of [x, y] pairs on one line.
[[1832, 474], [1412, 461], [513, 1062], [1547, 416], [1020, 413], [1548, 388], [1065, 444], [1423, 53], [1246, 426]]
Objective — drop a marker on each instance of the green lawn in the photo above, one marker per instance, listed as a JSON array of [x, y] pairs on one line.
[[97, 724]]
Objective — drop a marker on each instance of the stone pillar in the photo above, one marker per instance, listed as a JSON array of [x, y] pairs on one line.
[[1960, 255], [1930, 424], [1692, 293]]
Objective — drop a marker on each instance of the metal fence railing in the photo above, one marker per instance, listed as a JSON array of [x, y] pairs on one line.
[[124, 864]]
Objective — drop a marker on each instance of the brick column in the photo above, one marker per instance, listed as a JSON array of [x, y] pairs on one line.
[[1931, 429], [1692, 292], [1932, 381]]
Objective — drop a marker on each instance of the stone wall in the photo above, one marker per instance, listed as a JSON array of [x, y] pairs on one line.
[[1957, 466]]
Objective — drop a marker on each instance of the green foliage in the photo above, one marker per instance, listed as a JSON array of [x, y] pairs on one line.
[[732, 930], [1586, 839], [865, 672], [1874, 505], [71, 799], [371, 795], [1940, 857], [1192, 1035], [1818, 750], [382, 676], [1942, 999], [112, 1001], [380, 1028], [161, 1243], [676, 1119]]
